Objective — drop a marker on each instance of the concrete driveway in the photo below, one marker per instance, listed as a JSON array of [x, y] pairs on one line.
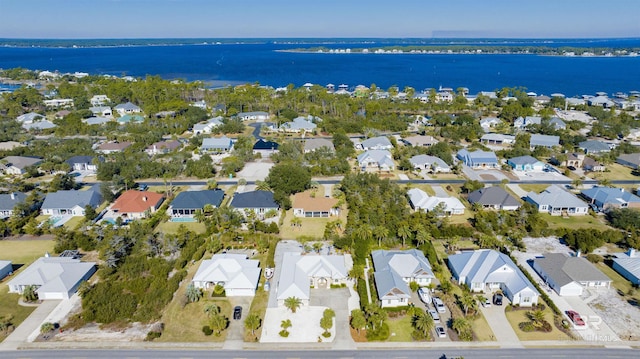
[[445, 318], [235, 332], [502, 330], [24, 332], [336, 299]]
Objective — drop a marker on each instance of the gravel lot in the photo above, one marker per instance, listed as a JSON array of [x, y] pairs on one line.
[[622, 317]]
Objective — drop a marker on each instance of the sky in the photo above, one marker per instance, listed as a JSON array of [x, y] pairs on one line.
[[79, 19]]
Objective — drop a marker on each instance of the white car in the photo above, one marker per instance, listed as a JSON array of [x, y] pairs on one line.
[[486, 303], [424, 295], [441, 332], [439, 304], [434, 315]]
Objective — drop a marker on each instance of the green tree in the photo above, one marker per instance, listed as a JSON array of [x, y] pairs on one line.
[[218, 323], [29, 293], [193, 293], [423, 322], [47, 327], [292, 303], [358, 320], [253, 323]]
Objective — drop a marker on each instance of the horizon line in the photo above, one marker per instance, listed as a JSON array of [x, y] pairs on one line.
[[330, 37]]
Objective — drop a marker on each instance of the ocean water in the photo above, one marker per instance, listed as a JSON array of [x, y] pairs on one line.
[[241, 61]]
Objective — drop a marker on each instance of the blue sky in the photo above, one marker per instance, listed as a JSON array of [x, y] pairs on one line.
[[318, 18]]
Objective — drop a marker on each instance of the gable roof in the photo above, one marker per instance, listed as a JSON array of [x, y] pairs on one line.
[[198, 199], [79, 159], [380, 157], [316, 204], [609, 195], [493, 196], [594, 146], [313, 144], [524, 160], [21, 162], [95, 120], [133, 201], [379, 142], [477, 157], [8, 201], [422, 160], [223, 142], [297, 269], [72, 198], [235, 270], [565, 269], [254, 199], [419, 140], [261, 144], [114, 146], [298, 123], [54, 274], [554, 196], [127, 107], [421, 200], [544, 140], [168, 145]]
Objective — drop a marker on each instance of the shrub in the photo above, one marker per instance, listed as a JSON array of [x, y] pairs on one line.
[[379, 335], [152, 335], [47, 327], [526, 327], [326, 334], [594, 258], [283, 333], [207, 330]]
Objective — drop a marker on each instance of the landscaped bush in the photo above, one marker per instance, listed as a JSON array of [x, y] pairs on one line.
[[207, 330], [381, 334], [361, 287], [283, 333], [152, 335], [526, 327]]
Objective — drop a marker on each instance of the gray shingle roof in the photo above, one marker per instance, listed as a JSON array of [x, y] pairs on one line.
[[493, 196], [9, 200], [523, 160], [593, 146], [379, 143], [21, 162], [544, 140], [70, 199], [197, 199], [254, 199], [313, 144], [564, 269]]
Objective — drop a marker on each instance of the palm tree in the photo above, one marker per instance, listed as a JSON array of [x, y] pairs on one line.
[[468, 302], [381, 233], [218, 323], [199, 216], [211, 309], [461, 325], [358, 320], [423, 236], [292, 303], [285, 324], [422, 322], [252, 323], [404, 232], [193, 294], [29, 293], [537, 317]]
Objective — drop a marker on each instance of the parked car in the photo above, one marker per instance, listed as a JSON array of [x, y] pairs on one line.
[[434, 315], [486, 303], [441, 332], [497, 299], [237, 312], [424, 295], [439, 305], [575, 317]]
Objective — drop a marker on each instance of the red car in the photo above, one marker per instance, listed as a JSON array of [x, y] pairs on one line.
[[575, 317]]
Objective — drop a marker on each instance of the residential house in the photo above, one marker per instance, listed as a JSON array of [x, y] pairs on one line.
[[630, 160], [113, 147], [593, 146], [17, 165], [83, 163], [299, 124], [59, 102], [238, 274], [99, 100], [557, 124], [546, 141], [9, 145], [200, 104], [429, 163], [376, 159], [574, 160], [70, 203], [187, 203], [96, 120], [494, 198], [9, 201], [447, 206], [601, 100], [253, 116], [526, 164], [61, 114], [162, 147], [606, 198], [591, 165], [478, 159], [556, 201], [127, 109], [301, 272], [39, 125], [30, 117], [304, 204], [421, 141], [628, 265], [497, 139], [216, 144], [6, 268], [259, 202], [569, 276], [130, 119], [265, 148], [394, 270], [134, 204], [313, 144], [489, 123], [376, 143], [489, 270], [55, 277], [101, 111], [208, 126], [521, 123]]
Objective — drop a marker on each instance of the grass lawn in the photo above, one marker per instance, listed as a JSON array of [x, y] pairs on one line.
[[529, 187], [615, 172], [258, 306], [445, 176], [22, 252], [400, 329], [173, 227], [575, 222], [515, 317], [311, 228], [425, 187], [619, 282], [481, 329], [184, 324], [74, 222]]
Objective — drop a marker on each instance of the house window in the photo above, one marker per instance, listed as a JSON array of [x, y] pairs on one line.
[[526, 300]]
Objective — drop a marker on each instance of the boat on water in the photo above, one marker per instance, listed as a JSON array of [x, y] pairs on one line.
[[268, 273]]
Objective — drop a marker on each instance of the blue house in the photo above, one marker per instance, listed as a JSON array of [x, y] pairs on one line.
[[186, 204], [478, 159], [526, 164]]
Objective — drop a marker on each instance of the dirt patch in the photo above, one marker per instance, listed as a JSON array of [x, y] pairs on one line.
[[93, 333], [487, 177], [28, 237], [540, 245], [621, 316], [358, 337]]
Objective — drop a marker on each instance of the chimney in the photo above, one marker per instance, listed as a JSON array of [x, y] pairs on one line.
[[578, 253], [13, 196], [631, 253], [144, 198]]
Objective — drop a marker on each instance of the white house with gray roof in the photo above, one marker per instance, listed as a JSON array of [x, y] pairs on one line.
[[17, 165], [253, 116], [497, 139], [9, 201], [299, 124], [313, 144], [238, 274], [216, 145], [522, 123], [376, 159], [594, 146], [376, 143], [447, 206], [429, 163], [478, 159], [546, 141], [394, 270], [526, 164], [70, 203], [127, 109], [54, 277], [628, 265], [489, 270], [556, 201], [606, 198], [207, 127], [301, 272], [569, 276], [494, 198]]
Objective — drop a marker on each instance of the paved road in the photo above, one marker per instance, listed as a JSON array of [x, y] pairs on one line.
[[583, 353]]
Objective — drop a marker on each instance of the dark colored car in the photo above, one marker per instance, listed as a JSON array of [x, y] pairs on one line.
[[497, 299], [575, 317], [237, 312]]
